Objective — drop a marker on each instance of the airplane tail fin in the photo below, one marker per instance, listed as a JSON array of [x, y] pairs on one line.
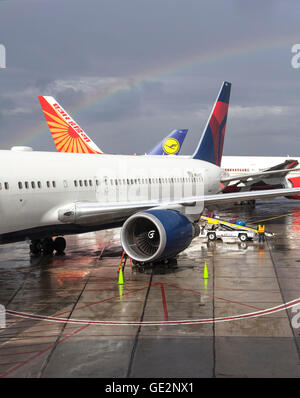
[[210, 147], [171, 145], [66, 133]]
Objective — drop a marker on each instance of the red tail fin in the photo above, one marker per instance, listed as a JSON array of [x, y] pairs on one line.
[[66, 133]]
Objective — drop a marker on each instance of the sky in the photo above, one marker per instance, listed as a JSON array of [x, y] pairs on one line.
[[130, 71]]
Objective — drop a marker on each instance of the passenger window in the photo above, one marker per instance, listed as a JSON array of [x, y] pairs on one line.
[[20, 185], [91, 183], [75, 183], [6, 186], [54, 184], [80, 183], [85, 183], [47, 183], [39, 184], [32, 184]]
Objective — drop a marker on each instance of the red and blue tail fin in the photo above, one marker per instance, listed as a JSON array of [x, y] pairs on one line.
[[210, 147], [170, 145]]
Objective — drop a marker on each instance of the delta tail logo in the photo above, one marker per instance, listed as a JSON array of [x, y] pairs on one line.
[[66, 133], [210, 148]]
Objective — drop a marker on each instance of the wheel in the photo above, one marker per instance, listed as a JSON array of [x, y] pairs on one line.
[[243, 237], [211, 236], [60, 244], [47, 246], [35, 247]]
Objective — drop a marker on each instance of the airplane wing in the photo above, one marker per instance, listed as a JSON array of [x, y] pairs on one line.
[[88, 213], [262, 174], [287, 164]]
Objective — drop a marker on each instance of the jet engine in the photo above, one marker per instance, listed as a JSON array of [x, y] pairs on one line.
[[156, 235]]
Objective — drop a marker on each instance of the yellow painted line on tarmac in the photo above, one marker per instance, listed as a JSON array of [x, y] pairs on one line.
[[272, 218]]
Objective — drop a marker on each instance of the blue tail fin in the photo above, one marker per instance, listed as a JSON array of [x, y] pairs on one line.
[[170, 145], [210, 147]]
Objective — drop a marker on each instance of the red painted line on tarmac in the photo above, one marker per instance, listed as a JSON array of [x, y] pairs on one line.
[[102, 301], [21, 364], [11, 354], [218, 298], [23, 345], [162, 323], [163, 295], [9, 363], [12, 338], [10, 329]]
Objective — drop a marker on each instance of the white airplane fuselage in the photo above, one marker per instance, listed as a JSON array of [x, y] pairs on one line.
[[35, 185], [237, 165]]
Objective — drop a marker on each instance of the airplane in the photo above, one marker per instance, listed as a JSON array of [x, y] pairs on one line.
[[68, 136], [156, 200], [243, 165]]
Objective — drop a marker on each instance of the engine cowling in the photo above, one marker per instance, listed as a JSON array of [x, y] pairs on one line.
[[155, 235]]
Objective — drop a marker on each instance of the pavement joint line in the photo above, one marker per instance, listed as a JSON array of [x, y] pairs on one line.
[[213, 296], [134, 347], [282, 295], [58, 340], [21, 364], [214, 324]]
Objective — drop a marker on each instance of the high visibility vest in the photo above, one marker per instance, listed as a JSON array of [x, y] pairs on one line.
[[261, 228]]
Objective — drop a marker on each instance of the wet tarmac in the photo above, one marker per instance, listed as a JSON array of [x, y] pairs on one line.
[[68, 317]]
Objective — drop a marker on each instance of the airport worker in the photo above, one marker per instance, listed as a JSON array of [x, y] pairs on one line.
[[261, 233]]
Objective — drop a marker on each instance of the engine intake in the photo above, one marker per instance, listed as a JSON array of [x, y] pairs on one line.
[[157, 235]]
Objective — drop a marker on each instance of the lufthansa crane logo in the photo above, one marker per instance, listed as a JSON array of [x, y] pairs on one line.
[[171, 146]]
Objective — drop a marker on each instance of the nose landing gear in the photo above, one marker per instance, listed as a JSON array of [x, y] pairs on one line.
[[47, 246]]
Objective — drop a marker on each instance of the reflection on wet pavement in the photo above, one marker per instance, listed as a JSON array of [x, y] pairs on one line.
[[82, 285]]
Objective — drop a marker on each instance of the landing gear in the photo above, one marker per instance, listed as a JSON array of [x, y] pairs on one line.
[[60, 245], [35, 247], [249, 203], [47, 246]]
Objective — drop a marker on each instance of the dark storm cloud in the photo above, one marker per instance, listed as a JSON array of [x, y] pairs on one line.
[[169, 59]]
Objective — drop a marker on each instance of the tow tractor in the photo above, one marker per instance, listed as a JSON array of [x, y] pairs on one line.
[[223, 229]]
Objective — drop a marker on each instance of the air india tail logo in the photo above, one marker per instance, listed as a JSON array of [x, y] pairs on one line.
[[67, 135], [171, 146]]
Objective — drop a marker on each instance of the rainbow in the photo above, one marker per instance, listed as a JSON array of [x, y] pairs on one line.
[[180, 66]]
